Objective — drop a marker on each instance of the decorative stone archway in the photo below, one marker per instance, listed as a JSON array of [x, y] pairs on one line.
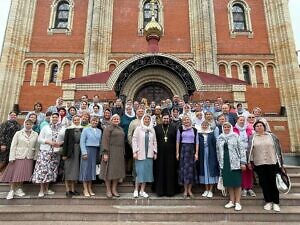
[[154, 68], [152, 74]]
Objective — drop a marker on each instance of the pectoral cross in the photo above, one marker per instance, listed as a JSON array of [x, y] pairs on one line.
[[166, 138]]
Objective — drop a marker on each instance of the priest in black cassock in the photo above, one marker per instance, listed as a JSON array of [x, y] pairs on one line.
[[165, 166]]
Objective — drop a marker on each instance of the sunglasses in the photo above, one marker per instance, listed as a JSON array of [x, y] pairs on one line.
[[251, 117]]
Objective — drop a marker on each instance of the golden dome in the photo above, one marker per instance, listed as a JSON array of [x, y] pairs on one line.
[[153, 28]]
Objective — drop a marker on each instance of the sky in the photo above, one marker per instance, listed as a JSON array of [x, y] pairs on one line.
[[294, 6]]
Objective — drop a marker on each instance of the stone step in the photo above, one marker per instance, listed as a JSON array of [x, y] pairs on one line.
[[292, 169], [126, 187], [153, 200], [136, 213], [295, 177], [140, 223]]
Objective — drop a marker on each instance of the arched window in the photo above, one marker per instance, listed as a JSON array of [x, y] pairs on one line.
[[145, 14], [62, 15], [148, 12], [61, 18], [53, 73], [246, 72], [239, 19]]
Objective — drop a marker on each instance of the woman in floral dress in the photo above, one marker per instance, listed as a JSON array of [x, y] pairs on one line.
[[46, 166]]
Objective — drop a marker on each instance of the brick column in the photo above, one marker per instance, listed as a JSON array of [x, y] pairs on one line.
[[16, 43], [203, 35], [98, 36], [288, 74]]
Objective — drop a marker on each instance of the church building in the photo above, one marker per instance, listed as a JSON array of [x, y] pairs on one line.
[[241, 50]]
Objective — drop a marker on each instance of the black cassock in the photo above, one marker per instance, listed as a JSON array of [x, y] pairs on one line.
[[165, 166]]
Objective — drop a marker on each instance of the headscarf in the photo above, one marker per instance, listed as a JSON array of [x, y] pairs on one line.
[[189, 113], [132, 112], [197, 121], [147, 128], [24, 127], [200, 129], [73, 125], [226, 136]]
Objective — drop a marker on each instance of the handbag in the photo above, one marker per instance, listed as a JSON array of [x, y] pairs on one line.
[[283, 182], [220, 186], [98, 169]]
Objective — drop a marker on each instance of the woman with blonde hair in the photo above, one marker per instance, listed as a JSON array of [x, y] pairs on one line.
[[187, 148]]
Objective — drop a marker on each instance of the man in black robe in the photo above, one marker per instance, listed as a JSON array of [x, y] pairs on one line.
[[165, 166]]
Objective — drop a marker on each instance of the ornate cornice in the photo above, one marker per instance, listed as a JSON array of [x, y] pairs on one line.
[[246, 56], [53, 55]]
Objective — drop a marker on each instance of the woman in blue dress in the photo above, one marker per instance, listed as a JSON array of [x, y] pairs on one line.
[[208, 161], [89, 144]]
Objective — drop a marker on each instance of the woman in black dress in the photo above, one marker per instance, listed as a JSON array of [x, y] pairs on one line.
[[71, 155], [7, 132]]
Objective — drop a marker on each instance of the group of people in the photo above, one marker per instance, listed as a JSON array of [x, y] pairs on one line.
[[171, 144]]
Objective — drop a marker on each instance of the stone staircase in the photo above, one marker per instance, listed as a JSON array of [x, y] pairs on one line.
[[155, 210]]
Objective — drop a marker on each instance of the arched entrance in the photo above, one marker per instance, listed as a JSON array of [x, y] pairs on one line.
[[172, 73], [153, 91]]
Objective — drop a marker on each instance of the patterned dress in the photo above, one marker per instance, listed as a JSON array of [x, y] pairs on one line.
[[46, 167], [187, 170]]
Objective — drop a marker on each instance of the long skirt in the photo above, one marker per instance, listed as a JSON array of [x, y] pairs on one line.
[[247, 179], [231, 178], [72, 164], [207, 178], [187, 164], [144, 170], [46, 167], [88, 166], [18, 171]]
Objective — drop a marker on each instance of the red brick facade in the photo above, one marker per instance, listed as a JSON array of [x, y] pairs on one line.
[[125, 42]]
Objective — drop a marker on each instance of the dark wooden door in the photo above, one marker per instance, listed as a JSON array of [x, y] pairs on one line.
[[153, 92]]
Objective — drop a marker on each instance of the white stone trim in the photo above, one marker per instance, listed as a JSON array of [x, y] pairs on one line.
[[51, 28], [225, 64], [115, 74], [264, 73]]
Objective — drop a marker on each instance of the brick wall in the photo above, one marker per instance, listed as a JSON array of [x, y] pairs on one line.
[[125, 27], [40, 41], [268, 99], [47, 95], [259, 44]]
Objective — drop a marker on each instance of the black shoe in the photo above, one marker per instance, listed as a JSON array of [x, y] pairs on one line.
[[69, 194], [75, 193]]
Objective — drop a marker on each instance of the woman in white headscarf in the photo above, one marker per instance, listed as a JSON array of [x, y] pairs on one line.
[[208, 162], [71, 155], [144, 147], [187, 111], [232, 160]]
